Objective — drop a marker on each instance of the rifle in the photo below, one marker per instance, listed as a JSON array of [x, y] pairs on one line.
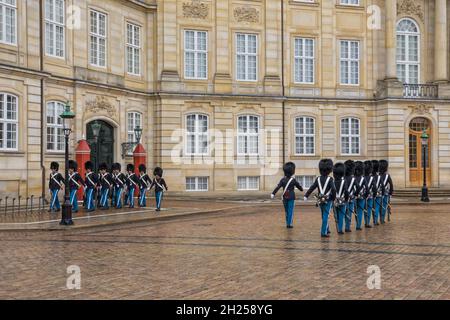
[[389, 210]]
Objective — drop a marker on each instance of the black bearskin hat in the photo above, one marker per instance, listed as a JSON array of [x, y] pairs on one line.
[[89, 165], [359, 168], [73, 165], [54, 166], [349, 167], [142, 168], [368, 168], [116, 166], [130, 167], [325, 166], [375, 166], [158, 172], [103, 166], [289, 169], [384, 165], [338, 170]]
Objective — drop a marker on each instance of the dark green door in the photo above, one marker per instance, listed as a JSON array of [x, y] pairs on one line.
[[103, 151]]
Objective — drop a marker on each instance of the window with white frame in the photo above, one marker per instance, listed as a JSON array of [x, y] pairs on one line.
[[196, 183], [350, 2], [8, 122], [304, 60], [306, 181], [349, 62], [54, 28], [350, 136], [8, 21], [304, 136], [408, 51], [55, 128], [246, 57], [248, 183], [97, 38], [195, 54], [248, 135], [133, 49], [134, 120], [196, 134]]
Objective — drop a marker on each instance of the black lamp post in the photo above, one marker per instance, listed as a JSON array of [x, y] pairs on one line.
[[128, 147], [96, 126], [67, 115], [424, 139], [138, 134]]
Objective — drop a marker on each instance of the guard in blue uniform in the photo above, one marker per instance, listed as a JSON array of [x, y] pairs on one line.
[[340, 203], [119, 180], [369, 196], [388, 187], [378, 192], [351, 189], [144, 185], [288, 183], [91, 182], [75, 183], [132, 184], [55, 184], [361, 193], [326, 194], [105, 183], [159, 183]]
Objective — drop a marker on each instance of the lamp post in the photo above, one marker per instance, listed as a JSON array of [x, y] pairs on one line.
[[96, 126], [424, 140], [138, 134], [67, 115], [128, 147]]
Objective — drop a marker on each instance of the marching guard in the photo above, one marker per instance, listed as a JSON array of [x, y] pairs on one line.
[[388, 187], [369, 198], [55, 184], [119, 181], [105, 183], [351, 189], [132, 184], [361, 193], [75, 183], [144, 185], [340, 203], [378, 192], [288, 183], [159, 183], [326, 195], [91, 181]]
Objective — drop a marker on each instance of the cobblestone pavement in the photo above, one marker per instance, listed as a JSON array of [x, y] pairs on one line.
[[244, 253]]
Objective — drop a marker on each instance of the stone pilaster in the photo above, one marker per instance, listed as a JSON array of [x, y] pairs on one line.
[[440, 42], [391, 41]]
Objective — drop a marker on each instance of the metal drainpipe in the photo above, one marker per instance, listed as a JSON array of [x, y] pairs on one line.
[[41, 66], [283, 107]]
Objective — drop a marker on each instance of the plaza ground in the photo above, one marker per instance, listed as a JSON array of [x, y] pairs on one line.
[[241, 252]]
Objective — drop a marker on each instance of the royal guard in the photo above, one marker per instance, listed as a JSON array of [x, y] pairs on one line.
[[119, 180], [159, 183], [55, 184], [361, 194], [91, 182], [75, 183], [326, 194], [370, 190], [105, 182], [132, 184], [351, 189], [388, 187], [340, 203], [378, 192], [144, 185], [288, 183]]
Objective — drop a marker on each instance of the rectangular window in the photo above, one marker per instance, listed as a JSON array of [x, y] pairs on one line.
[[195, 54], [248, 183], [350, 136], [304, 60], [8, 122], [196, 134], [248, 135], [304, 136], [54, 28], [246, 57], [97, 39], [133, 49], [349, 62], [133, 121], [196, 183], [350, 2], [55, 132], [8, 21], [305, 181]]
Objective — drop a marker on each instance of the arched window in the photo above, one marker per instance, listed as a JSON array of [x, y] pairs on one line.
[[248, 135], [8, 122], [350, 136], [196, 134], [408, 51], [55, 130], [304, 136]]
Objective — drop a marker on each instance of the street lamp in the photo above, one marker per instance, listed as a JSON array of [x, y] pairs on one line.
[[424, 140], [96, 127], [128, 147], [138, 134], [67, 115]]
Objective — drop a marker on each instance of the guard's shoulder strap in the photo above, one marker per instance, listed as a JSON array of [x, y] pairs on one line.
[[386, 179], [325, 186], [352, 183]]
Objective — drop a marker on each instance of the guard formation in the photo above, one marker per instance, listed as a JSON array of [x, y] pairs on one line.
[[106, 188], [362, 190]]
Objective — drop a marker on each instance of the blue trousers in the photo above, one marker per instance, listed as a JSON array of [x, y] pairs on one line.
[[384, 209], [369, 205], [349, 213], [130, 197], [289, 210], [341, 210], [360, 207], [104, 198], [74, 200], [158, 196], [90, 203], [113, 196], [54, 201], [325, 210], [377, 211], [118, 197], [142, 197]]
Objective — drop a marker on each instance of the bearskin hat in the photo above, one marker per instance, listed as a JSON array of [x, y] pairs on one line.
[[325, 166], [73, 165], [116, 166], [89, 165], [368, 168], [384, 165], [130, 167], [142, 168], [349, 167], [54, 165], [359, 168], [103, 166], [289, 169], [375, 166], [158, 172], [339, 170]]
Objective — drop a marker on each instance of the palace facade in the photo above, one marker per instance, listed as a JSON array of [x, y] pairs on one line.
[[225, 91]]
